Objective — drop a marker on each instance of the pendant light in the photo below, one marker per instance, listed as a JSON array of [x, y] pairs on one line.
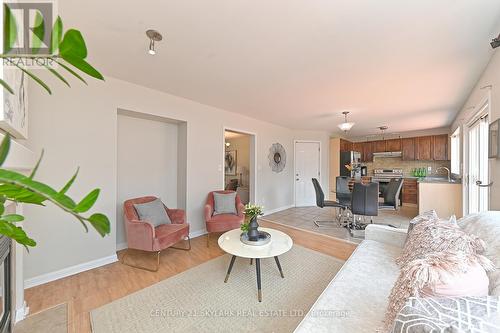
[[154, 36], [346, 126]]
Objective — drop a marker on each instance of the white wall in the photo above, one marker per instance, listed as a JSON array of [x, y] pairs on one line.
[[147, 163], [490, 77], [78, 127]]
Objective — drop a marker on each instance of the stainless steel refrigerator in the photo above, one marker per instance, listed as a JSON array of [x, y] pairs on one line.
[[352, 158]]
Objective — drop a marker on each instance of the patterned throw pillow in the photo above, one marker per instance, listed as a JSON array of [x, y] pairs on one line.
[[438, 254], [426, 216], [436, 236], [449, 315]]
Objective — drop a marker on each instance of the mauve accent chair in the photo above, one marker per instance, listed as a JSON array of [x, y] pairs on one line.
[[141, 235], [222, 222]]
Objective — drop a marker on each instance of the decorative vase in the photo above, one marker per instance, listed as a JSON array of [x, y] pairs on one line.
[[253, 233]]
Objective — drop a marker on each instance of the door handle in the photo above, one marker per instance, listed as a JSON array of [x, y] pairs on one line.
[[297, 179], [480, 184]]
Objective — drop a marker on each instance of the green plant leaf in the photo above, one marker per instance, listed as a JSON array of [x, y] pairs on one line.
[[34, 77], [71, 71], [69, 183], [35, 169], [82, 65], [2, 208], [56, 35], [12, 218], [59, 76], [10, 29], [38, 32], [87, 202], [101, 223], [16, 233], [73, 45], [4, 148], [6, 86]]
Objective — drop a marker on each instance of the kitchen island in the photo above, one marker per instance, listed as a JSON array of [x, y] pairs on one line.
[[440, 194]]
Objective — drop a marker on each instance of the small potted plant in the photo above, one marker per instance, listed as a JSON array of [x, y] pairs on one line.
[[250, 225]]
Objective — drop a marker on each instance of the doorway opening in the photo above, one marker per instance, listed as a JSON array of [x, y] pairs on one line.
[[239, 164]]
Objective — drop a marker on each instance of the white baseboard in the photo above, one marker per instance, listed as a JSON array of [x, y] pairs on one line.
[[44, 278], [21, 313], [272, 211]]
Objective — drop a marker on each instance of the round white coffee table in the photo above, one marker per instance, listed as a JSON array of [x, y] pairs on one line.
[[280, 243]]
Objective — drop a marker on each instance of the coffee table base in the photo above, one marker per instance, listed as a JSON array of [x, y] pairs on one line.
[[257, 268]]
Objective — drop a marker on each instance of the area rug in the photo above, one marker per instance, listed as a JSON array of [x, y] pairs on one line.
[[198, 300], [53, 320]]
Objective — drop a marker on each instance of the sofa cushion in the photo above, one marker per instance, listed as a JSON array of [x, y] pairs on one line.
[[224, 222], [153, 212], [487, 227], [356, 299], [225, 203]]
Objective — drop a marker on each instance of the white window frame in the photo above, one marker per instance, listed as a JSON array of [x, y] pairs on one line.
[[456, 155]]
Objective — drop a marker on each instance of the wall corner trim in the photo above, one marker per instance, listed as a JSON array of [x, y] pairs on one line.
[[72, 270]]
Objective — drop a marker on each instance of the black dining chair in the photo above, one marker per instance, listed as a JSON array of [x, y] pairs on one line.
[[321, 203], [391, 195], [364, 203]]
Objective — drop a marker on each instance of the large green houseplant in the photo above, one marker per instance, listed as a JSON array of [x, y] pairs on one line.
[[68, 51]]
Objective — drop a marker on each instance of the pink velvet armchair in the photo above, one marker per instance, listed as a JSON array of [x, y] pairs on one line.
[[222, 222], [141, 235]]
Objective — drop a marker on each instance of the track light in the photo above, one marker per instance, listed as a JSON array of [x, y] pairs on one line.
[[495, 42], [154, 36]]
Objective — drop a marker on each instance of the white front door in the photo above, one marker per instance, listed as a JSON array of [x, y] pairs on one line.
[[307, 167], [478, 197]]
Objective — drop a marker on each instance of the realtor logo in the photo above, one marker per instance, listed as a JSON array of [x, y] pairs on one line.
[[27, 27]]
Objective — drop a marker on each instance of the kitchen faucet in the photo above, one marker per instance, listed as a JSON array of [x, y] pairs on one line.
[[447, 170]]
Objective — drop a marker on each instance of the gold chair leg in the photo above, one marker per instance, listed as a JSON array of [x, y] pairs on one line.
[[208, 239], [143, 267], [183, 249]]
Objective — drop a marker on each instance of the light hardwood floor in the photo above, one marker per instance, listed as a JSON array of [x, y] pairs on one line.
[[92, 289]]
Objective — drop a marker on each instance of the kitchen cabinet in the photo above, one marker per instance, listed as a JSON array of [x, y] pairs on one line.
[[367, 155], [379, 146], [408, 149], [423, 147], [358, 146], [345, 145], [410, 191], [393, 145], [440, 148]]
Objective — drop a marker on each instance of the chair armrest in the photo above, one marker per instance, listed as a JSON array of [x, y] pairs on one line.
[[240, 209], [208, 212], [177, 216], [140, 235], [385, 234]]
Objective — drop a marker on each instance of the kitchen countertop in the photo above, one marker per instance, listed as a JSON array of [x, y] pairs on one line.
[[434, 180]]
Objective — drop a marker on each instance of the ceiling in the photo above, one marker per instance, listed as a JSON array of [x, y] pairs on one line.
[[406, 64]]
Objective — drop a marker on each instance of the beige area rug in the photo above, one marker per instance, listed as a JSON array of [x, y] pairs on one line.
[[198, 300], [53, 320]]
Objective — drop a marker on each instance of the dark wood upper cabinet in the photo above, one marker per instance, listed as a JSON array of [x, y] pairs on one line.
[[367, 155], [424, 145], [393, 145], [358, 146], [379, 146], [408, 149], [440, 148], [345, 145]]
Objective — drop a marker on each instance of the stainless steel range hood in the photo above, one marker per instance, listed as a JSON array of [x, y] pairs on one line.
[[388, 154]]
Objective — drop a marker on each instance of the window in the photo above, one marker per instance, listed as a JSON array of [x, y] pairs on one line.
[[455, 152]]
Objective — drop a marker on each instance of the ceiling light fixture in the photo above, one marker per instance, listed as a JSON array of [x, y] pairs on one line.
[[154, 36], [383, 129], [346, 126]]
